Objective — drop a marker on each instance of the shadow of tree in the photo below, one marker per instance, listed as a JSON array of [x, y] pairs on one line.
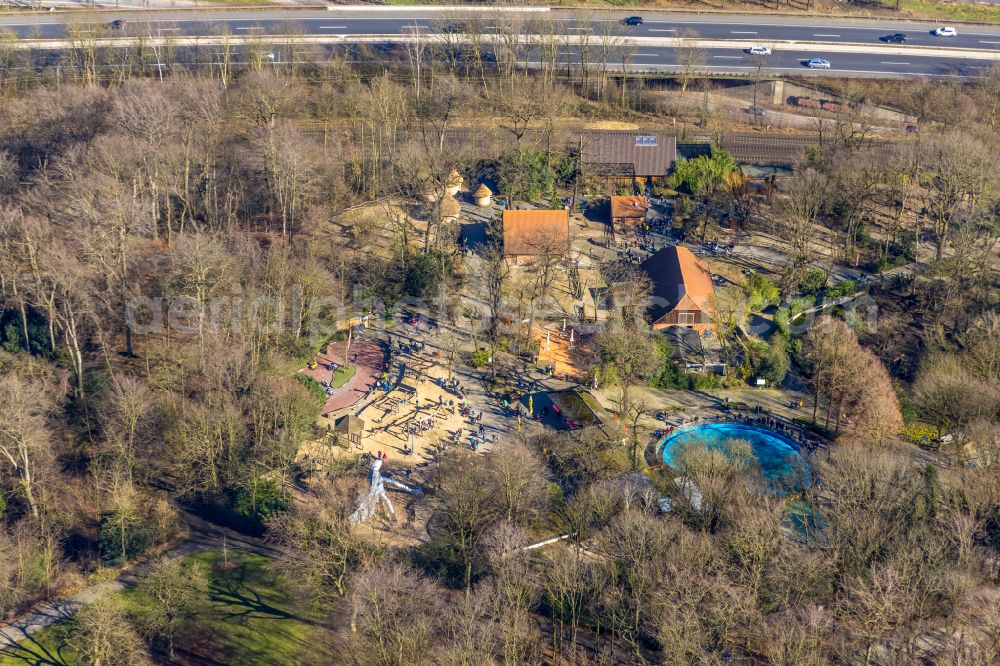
[[241, 602], [30, 651]]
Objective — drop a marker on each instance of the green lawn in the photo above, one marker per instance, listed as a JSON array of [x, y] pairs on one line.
[[957, 11], [250, 618], [342, 375]]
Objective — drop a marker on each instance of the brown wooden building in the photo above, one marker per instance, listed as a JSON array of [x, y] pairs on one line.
[[530, 234], [628, 157], [628, 211], [682, 290]]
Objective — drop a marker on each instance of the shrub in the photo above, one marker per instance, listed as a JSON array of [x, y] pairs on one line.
[[813, 281], [313, 386], [761, 292], [669, 375], [700, 381], [253, 505], [480, 358], [703, 175], [424, 274], [122, 537], [843, 289], [920, 433], [782, 318]]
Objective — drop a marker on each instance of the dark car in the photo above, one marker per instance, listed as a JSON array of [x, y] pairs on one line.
[[117, 24], [897, 38], [453, 28], [633, 20], [756, 111]]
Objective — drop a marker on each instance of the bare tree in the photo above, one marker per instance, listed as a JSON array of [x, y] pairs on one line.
[[25, 438], [104, 636], [691, 58], [177, 591]]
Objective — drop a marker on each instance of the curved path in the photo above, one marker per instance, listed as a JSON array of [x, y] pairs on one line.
[[201, 536]]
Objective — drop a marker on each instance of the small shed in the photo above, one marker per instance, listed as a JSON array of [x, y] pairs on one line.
[[351, 428], [483, 196], [627, 211]]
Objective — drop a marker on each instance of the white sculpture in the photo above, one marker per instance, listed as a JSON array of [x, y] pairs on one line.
[[376, 494]]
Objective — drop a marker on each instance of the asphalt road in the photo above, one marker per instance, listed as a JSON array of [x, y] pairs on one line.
[[781, 33]]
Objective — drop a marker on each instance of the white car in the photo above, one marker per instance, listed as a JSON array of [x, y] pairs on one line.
[[817, 63], [760, 50], [945, 31]]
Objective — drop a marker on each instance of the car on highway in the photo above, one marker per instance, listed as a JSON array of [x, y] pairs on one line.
[[760, 50], [945, 31], [117, 24], [632, 20], [454, 28], [756, 111], [817, 63], [897, 38]]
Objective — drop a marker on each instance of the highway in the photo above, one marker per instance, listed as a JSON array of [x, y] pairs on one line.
[[855, 47]]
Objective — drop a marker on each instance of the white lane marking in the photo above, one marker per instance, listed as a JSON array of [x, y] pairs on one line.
[[332, 27], [730, 57], [983, 41], [253, 27], [885, 62], [167, 29], [818, 35], [743, 32], [647, 55], [663, 30]]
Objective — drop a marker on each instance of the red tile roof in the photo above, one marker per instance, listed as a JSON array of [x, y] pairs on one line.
[[535, 232], [628, 207], [680, 281]]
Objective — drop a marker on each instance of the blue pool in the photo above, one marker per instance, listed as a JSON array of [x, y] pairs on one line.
[[780, 462]]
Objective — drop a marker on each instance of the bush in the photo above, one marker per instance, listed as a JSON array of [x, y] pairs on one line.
[[843, 289], [813, 281], [527, 174], [703, 175], [761, 292], [920, 433], [424, 274], [700, 381], [252, 506], [122, 537], [480, 358], [313, 386], [669, 376], [782, 319]]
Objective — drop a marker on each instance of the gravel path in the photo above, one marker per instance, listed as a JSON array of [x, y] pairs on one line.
[[202, 536]]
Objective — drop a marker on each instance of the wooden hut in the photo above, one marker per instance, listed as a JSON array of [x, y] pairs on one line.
[[349, 429]]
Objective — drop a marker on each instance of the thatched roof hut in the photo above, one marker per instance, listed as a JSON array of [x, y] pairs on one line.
[[450, 209], [454, 183], [483, 196]]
